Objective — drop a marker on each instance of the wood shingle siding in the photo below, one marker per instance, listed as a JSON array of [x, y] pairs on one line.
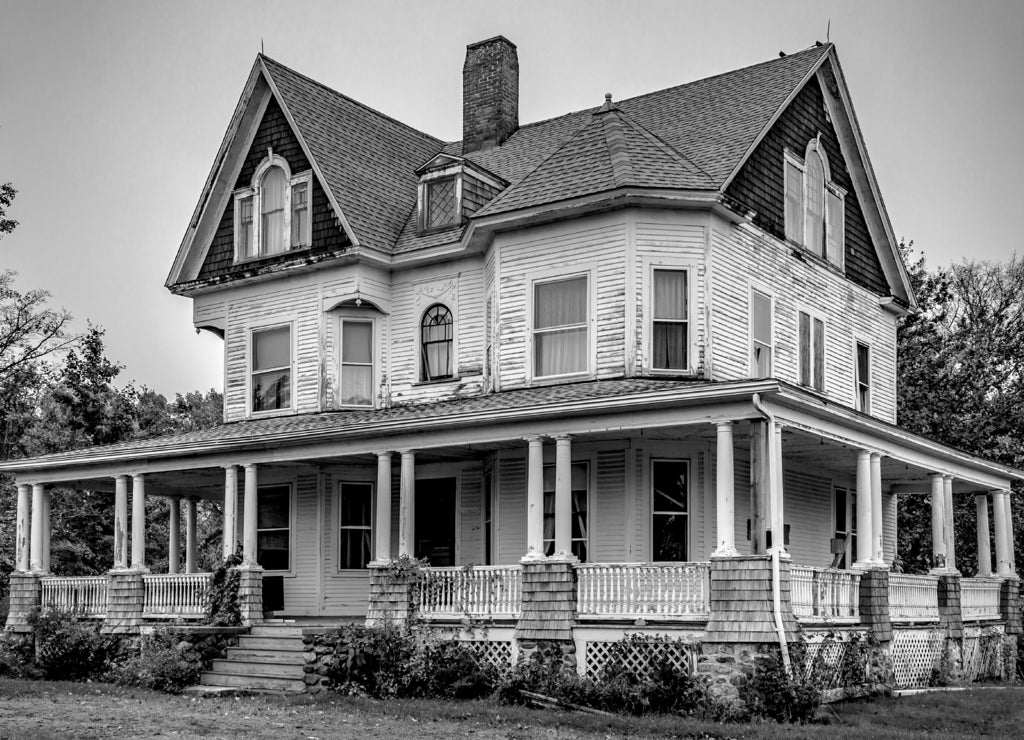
[[759, 185]]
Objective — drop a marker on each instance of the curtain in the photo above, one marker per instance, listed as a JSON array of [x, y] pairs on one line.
[[562, 303], [356, 363], [670, 294], [272, 208]]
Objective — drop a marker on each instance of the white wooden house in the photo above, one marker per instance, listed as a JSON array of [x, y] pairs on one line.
[[635, 345]]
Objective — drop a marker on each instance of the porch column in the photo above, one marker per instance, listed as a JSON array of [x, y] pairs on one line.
[[877, 549], [22, 554], [138, 522], [230, 508], [947, 521], [382, 529], [47, 531], [535, 498], [174, 535], [190, 535], [407, 505], [121, 522], [984, 548], [865, 519], [249, 515], [1008, 503], [725, 495], [38, 532], [938, 524], [563, 495], [777, 514], [1003, 567]]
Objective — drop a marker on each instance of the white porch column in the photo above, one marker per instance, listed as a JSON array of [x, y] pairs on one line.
[[865, 519], [407, 505], [1003, 566], [382, 527], [36, 547], [22, 546], [938, 524], [47, 531], [121, 522], [1008, 503], [947, 521], [138, 522], [535, 498], [984, 548], [877, 548], [249, 515], [190, 535], [174, 535], [725, 495], [777, 514], [563, 495], [230, 509]]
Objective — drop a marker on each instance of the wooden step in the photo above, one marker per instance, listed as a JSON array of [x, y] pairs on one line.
[[289, 657], [276, 630], [261, 642], [256, 668], [252, 682]]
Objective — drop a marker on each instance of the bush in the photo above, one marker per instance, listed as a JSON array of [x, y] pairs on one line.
[[222, 594], [17, 656], [451, 670], [771, 692], [163, 663], [70, 649]]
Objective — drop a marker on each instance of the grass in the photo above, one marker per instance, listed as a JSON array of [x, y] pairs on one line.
[[42, 709]]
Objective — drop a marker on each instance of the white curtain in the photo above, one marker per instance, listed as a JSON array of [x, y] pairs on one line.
[[356, 363], [560, 304], [272, 208]]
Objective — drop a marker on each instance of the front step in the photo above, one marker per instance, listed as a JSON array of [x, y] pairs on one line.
[[270, 657], [237, 667], [227, 680], [277, 644], [284, 657]]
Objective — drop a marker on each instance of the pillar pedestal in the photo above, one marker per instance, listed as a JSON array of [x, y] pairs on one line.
[[250, 594], [548, 610], [874, 603], [126, 594], [26, 594], [950, 614], [1009, 605], [391, 595]]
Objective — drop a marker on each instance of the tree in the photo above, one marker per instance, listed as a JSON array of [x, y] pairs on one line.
[[7, 193]]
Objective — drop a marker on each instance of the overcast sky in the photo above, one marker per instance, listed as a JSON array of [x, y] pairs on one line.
[[111, 114]]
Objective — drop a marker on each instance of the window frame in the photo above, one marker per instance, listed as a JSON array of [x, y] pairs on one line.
[[652, 460], [589, 345], [813, 349], [858, 404], [849, 513], [650, 319], [590, 467], [290, 485], [764, 292], [253, 191], [489, 524], [452, 358], [830, 188], [338, 526], [250, 371], [375, 357], [453, 172]]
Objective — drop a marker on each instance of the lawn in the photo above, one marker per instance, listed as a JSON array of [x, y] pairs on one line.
[[40, 709]]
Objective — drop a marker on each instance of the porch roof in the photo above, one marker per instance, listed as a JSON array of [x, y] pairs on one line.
[[593, 406]]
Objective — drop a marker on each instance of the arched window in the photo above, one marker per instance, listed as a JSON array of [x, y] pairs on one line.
[[272, 215], [436, 332], [814, 204], [272, 190], [814, 183]]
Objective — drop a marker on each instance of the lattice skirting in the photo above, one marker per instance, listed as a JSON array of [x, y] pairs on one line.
[[499, 653], [638, 656], [915, 652], [982, 653], [824, 657]]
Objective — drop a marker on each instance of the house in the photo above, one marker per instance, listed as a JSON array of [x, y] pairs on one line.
[[635, 364]]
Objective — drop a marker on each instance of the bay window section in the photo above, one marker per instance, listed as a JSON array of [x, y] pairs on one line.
[[670, 325], [356, 363], [271, 379], [670, 510], [560, 335], [355, 524], [273, 527], [579, 494]]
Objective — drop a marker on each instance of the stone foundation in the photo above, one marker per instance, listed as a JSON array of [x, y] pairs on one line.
[[728, 665], [126, 593], [26, 593], [205, 644]]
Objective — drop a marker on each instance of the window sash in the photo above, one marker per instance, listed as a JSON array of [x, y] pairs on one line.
[[794, 205], [670, 482], [669, 322], [300, 214], [761, 334], [356, 363], [270, 376], [436, 340], [273, 527], [863, 371], [560, 327], [812, 351], [441, 206], [355, 524], [814, 218]]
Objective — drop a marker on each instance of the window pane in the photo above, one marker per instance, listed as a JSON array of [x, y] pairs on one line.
[[840, 510], [272, 549], [271, 348], [669, 346], [836, 228], [355, 504], [863, 364], [300, 213], [436, 343], [761, 317], [357, 341], [670, 294], [670, 537], [273, 190], [245, 245], [272, 208], [560, 303], [794, 203], [441, 202], [272, 507], [271, 390], [668, 478], [560, 352], [815, 204], [819, 354], [805, 349], [357, 385], [355, 548]]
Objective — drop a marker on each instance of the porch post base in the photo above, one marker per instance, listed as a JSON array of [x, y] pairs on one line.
[[548, 610], [126, 594], [742, 601], [1009, 605], [26, 595], [391, 594], [950, 615], [250, 594], [874, 604]]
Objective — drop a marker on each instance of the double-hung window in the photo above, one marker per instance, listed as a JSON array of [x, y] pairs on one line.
[[560, 327], [760, 334], [579, 493], [814, 204], [436, 338], [812, 351], [271, 371], [355, 523], [272, 215], [273, 527], [670, 326], [356, 365], [670, 510], [863, 377]]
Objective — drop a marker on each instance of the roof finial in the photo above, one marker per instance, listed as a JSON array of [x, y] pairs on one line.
[[608, 105]]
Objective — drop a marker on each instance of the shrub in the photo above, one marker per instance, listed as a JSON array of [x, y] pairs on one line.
[[17, 656], [163, 663], [69, 649], [451, 670], [771, 692], [222, 594]]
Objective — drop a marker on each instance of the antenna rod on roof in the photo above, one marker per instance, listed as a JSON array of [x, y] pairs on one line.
[[261, 46], [828, 31]]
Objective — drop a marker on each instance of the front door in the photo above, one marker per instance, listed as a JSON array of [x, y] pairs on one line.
[[435, 520]]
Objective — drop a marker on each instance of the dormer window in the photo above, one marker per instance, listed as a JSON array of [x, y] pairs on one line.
[[440, 203], [281, 201], [814, 211]]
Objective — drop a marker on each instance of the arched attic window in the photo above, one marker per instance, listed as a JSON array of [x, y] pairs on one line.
[[272, 215], [814, 204], [436, 335]]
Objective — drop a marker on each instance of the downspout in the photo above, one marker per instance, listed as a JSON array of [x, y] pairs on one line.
[[776, 577]]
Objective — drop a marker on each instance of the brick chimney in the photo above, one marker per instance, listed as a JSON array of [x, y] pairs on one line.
[[490, 93]]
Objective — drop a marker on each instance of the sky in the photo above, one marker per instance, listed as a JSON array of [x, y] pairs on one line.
[[111, 113]]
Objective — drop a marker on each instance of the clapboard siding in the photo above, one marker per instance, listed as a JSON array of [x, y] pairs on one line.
[[595, 246], [889, 532], [608, 536], [300, 591], [345, 592], [740, 255], [743, 512], [807, 509], [511, 505], [471, 516]]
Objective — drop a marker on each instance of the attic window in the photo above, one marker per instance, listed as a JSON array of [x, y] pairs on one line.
[[272, 216], [440, 196], [814, 208]]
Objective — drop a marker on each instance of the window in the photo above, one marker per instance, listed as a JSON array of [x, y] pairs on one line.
[[436, 331], [355, 512], [814, 205], [273, 527], [560, 342], [670, 328], [812, 352], [863, 379], [579, 494], [488, 518], [669, 510], [282, 202], [761, 334], [271, 369], [845, 533], [440, 203], [356, 362]]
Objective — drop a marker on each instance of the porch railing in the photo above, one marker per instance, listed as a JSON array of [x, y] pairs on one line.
[[477, 591], [676, 591], [825, 593], [979, 598], [175, 595], [86, 596], [913, 598]]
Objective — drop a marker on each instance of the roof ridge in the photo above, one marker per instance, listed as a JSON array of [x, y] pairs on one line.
[[617, 147], [364, 106]]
